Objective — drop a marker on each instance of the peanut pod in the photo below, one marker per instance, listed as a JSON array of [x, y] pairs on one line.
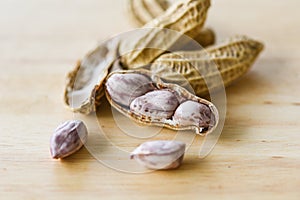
[[147, 100], [143, 11], [231, 60], [185, 17]]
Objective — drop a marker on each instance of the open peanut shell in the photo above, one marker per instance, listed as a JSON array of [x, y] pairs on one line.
[[181, 94], [84, 84]]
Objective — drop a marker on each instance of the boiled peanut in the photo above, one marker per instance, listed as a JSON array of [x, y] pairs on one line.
[[156, 104]]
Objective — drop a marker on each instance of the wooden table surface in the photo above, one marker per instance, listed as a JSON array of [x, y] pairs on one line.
[[258, 153]]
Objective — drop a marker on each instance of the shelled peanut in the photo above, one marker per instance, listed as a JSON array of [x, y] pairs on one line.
[[159, 154], [68, 138]]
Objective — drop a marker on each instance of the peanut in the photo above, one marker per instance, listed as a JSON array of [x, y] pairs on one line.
[[200, 69], [192, 113], [159, 155], [185, 17], [125, 88], [143, 11], [68, 138], [156, 104]]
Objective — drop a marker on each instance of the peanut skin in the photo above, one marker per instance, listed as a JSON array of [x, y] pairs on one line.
[[192, 113], [157, 104], [161, 154], [68, 138], [124, 88]]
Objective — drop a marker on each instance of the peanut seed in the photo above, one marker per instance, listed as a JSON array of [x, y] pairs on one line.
[[157, 104], [159, 155], [68, 138], [193, 113], [124, 88]]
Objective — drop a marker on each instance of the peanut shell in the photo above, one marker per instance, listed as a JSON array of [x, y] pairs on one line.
[[231, 60], [185, 17]]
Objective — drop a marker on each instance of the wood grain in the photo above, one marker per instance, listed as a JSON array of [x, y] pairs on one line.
[[257, 156]]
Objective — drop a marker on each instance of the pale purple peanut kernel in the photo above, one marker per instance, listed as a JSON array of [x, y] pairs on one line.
[[161, 154], [193, 113], [68, 138], [123, 88], [158, 104]]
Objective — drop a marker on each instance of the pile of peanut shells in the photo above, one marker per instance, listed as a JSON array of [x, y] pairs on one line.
[[150, 85]]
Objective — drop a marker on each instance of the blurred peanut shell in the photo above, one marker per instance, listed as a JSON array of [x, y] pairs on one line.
[[199, 70], [143, 11], [185, 17]]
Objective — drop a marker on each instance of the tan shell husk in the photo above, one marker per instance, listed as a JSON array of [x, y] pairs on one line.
[[143, 11], [186, 95], [231, 60], [185, 17], [206, 37], [84, 83]]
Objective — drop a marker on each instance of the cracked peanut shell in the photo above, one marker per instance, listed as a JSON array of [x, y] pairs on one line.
[[157, 111], [87, 77]]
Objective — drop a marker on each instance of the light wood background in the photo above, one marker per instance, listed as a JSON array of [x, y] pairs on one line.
[[257, 156]]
